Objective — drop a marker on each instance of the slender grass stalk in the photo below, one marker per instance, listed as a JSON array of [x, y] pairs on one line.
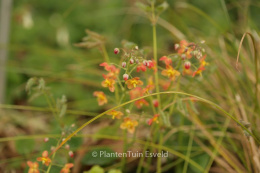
[[159, 159], [256, 66], [155, 53], [185, 167]]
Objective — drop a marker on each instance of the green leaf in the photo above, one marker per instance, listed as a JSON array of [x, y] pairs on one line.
[[99, 156], [25, 146], [162, 7], [95, 169]]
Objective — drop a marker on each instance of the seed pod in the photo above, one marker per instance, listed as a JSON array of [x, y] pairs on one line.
[[132, 61]]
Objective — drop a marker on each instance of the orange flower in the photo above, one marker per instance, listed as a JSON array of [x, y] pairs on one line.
[[185, 48], [154, 119], [33, 167], [113, 71], [167, 61], [201, 68], [170, 73], [141, 67], [129, 125], [139, 103], [148, 88], [44, 159], [135, 93], [115, 114], [66, 168], [109, 83], [198, 71], [187, 72], [132, 83], [101, 97]]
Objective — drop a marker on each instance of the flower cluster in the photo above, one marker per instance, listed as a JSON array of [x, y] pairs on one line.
[[133, 64], [45, 160]]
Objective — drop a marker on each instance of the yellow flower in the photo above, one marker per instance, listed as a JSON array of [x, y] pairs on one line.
[[154, 119], [129, 125], [115, 114], [66, 168], [101, 97], [132, 83], [44, 159], [170, 73], [33, 167], [109, 83]]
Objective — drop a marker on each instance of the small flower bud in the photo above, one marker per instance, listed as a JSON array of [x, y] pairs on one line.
[[46, 139], [128, 111], [72, 125], [63, 139], [187, 65], [136, 61], [67, 146], [132, 61], [155, 103], [116, 51], [145, 63], [176, 46], [136, 47], [202, 41], [123, 64], [183, 56], [71, 154], [125, 77]]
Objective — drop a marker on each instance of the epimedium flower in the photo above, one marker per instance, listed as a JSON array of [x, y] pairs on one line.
[[185, 48], [44, 159], [101, 97], [109, 83], [170, 73], [141, 67], [166, 60], [113, 71], [154, 119], [129, 125], [140, 103], [33, 167], [201, 68], [132, 83], [136, 92], [66, 168], [115, 114]]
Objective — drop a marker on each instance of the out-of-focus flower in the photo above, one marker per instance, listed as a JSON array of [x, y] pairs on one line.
[[166, 60], [170, 72], [33, 167], [115, 114], [201, 68], [66, 168], [155, 103], [165, 84], [154, 119], [129, 125], [185, 48], [148, 89], [113, 71], [132, 83], [44, 159], [141, 67], [101, 97], [109, 83], [135, 93], [187, 65], [139, 103]]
